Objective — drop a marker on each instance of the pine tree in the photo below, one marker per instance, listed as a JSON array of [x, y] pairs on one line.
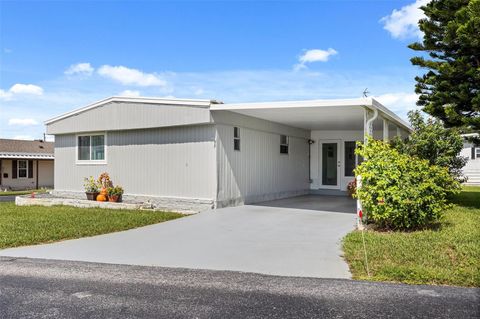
[[450, 89]]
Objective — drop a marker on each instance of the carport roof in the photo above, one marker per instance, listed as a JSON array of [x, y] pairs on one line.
[[337, 114]]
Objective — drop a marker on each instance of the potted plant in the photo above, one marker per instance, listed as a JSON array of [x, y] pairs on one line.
[[105, 182], [115, 194], [91, 188], [352, 188]]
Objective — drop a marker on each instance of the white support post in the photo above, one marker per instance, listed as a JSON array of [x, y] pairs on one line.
[[359, 205], [365, 124], [385, 130]]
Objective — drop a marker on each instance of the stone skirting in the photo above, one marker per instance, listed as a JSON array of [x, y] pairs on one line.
[[181, 205]]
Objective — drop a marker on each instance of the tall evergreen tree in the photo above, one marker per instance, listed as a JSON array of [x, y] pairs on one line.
[[450, 89]]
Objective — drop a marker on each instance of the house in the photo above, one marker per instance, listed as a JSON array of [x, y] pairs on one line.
[[26, 164], [198, 154], [471, 151]]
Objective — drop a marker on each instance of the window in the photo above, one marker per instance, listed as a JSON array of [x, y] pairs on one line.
[[91, 148], [22, 169], [283, 144], [349, 158], [477, 152], [236, 139]]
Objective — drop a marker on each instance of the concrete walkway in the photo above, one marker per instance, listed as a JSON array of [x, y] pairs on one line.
[[286, 237]]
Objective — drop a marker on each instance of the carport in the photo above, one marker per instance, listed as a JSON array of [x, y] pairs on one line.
[[334, 126]]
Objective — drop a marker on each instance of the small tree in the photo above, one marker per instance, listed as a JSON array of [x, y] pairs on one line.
[[431, 141], [400, 191]]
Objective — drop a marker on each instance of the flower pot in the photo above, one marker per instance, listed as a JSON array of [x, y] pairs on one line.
[[91, 195], [113, 198]]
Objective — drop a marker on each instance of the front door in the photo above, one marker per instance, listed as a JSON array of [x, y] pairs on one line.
[[330, 164]]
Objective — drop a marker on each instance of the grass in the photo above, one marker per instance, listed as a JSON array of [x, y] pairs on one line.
[[446, 255], [24, 192], [30, 225]]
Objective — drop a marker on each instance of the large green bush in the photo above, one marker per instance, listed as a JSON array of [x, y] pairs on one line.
[[400, 191]]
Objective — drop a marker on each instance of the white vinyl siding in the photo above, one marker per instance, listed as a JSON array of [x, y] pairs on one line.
[[259, 172], [163, 162]]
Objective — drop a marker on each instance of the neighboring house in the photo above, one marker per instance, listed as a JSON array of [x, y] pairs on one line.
[[472, 169], [197, 154], [26, 164]]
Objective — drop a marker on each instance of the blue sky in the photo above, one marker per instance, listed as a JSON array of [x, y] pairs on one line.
[[60, 55]]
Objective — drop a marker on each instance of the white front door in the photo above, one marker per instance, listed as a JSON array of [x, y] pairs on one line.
[[330, 164]]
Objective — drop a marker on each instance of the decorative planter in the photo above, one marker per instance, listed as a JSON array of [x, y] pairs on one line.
[[91, 195], [113, 198]]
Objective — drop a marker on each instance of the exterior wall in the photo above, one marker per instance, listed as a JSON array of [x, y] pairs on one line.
[[258, 172], [472, 169], [45, 176], [315, 163], [125, 116], [174, 163]]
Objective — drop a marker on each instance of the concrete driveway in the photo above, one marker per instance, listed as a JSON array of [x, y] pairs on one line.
[[299, 236]]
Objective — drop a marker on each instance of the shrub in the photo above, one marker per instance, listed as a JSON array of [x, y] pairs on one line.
[[400, 191], [431, 141]]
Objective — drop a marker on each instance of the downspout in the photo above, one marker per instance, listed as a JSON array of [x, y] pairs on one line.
[[36, 175]]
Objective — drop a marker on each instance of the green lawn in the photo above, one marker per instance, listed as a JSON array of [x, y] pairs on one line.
[[448, 255], [29, 225], [24, 192]]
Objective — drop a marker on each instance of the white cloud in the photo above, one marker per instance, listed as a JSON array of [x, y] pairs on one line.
[[399, 102], [403, 23], [129, 76], [20, 89], [22, 122], [314, 55], [130, 93], [23, 137], [26, 89], [80, 69]]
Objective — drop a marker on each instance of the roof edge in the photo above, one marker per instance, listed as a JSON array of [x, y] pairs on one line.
[[147, 100], [379, 106], [295, 103]]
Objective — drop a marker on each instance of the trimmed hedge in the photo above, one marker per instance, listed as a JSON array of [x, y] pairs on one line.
[[400, 191]]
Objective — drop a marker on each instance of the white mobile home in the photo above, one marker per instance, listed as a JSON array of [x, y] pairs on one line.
[[471, 151], [199, 154]]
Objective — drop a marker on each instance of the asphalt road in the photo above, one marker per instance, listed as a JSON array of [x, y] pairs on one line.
[[34, 288]]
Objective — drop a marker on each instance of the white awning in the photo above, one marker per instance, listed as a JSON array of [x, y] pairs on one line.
[[9, 155], [345, 114]]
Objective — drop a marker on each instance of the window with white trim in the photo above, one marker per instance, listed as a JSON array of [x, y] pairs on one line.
[[236, 138], [477, 152], [283, 144], [22, 169], [91, 147]]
